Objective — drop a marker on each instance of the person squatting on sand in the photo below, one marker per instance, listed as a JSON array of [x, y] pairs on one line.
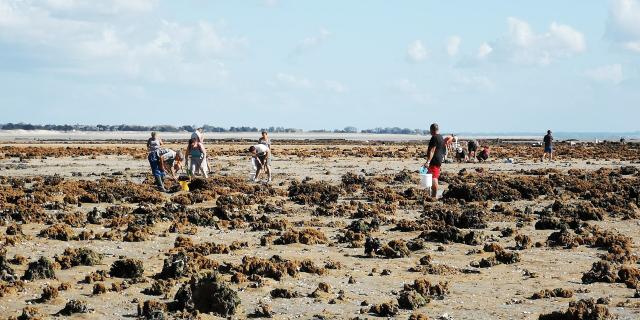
[[472, 147], [461, 155], [261, 154], [198, 155], [435, 156], [548, 146], [484, 154]]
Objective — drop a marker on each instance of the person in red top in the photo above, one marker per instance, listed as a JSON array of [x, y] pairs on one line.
[[484, 154], [435, 156]]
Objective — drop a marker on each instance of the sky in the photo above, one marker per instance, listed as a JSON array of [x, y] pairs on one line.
[[471, 66]]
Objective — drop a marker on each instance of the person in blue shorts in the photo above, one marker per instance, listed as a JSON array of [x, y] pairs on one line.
[[548, 146]]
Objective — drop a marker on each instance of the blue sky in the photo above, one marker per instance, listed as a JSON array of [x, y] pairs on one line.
[[483, 66]]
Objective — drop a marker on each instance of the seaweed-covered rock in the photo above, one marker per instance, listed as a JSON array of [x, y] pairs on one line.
[[40, 269], [317, 193], [127, 268], [555, 293], [29, 313], [387, 309], [411, 300], [6, 272], [284, 293], [74, 306], [58, 231], [601, 271], [78, 257], [585, 309], [175, 266], [306, 236], [207, 293], [152, 310]]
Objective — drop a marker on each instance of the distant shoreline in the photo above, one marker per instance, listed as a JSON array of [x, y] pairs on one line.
[[52, 136]]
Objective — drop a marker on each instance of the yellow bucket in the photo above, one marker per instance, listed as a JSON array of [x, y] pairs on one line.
[[184, 185]]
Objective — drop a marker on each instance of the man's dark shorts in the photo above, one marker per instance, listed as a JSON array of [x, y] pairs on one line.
[[263, 160], [548, 149]]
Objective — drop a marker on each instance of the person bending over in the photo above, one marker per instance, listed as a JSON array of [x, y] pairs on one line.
[[171, 162], [261, 154], [484, 154]]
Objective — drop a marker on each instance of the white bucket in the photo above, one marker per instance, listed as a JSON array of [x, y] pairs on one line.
[[425, 180]]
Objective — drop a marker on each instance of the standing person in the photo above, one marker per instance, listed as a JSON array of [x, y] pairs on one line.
[[265, 140], [198, 154], [154, 143], [472, 146], [198, 134], [435, 155], [548, 146], [261, 154]]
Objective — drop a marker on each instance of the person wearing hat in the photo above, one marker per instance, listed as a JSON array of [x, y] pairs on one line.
[[548, 146]]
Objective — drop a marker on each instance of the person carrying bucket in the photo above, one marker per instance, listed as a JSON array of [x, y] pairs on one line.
[[435, 156]]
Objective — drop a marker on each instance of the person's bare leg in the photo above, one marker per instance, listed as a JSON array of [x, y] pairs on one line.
[[268, 169], [434, 188], [204, 171], [255, 178]]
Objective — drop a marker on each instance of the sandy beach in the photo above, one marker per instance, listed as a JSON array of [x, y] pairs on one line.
[[320, 227]]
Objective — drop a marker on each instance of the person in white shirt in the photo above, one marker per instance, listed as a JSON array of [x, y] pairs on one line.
[[260, 154]]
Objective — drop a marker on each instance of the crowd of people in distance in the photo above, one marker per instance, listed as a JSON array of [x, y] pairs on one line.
[[195, 161], [167, 162], [439, 148]]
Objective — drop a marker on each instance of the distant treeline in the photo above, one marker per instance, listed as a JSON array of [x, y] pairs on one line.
[[190, 128]]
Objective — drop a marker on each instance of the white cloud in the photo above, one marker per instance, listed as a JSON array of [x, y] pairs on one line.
[[271, 3], [416, 51], [81, 44], [292, 81], [623, 25], [523, 45], [607, 74], [102, 7], [335, 86], [409, 89], [453, 45], [469, 82], [484, 50], [312, 42]]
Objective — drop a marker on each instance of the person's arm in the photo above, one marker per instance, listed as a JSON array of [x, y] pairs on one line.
[[204, 151], [162, 164]]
